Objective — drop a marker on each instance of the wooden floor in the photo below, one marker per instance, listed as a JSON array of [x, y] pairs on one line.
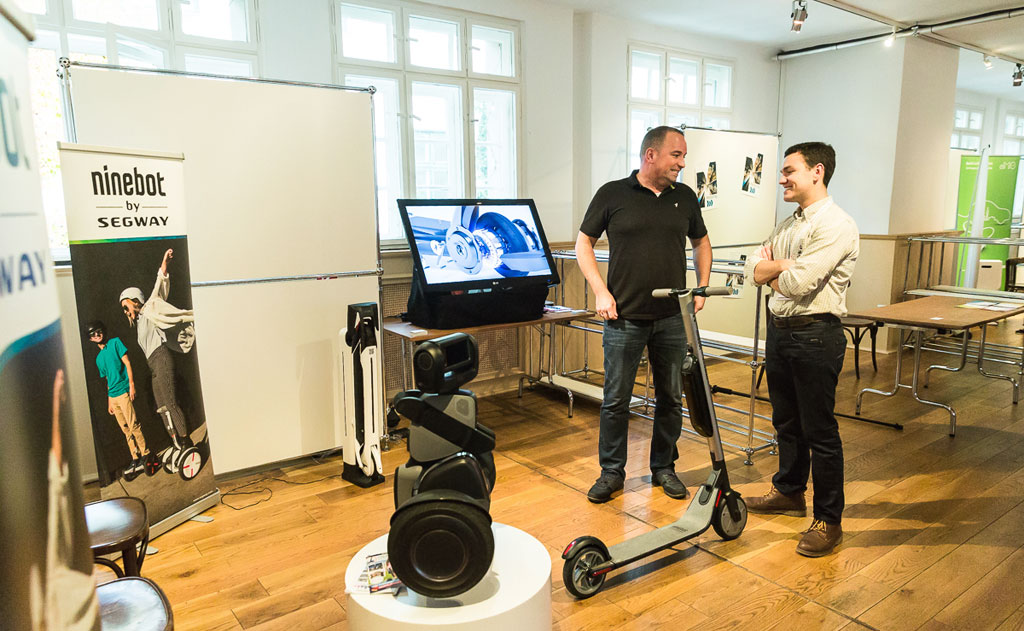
[[932, 525]]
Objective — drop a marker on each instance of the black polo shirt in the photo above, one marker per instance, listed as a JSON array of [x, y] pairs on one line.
[[647, 242]]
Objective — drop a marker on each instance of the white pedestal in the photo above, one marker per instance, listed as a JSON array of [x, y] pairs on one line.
[[514, 595]]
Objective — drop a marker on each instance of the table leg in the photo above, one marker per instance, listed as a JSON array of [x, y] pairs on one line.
[[896, 384], [963, 360], [918, 335], [981, 358], [406, 364], [874, 334]]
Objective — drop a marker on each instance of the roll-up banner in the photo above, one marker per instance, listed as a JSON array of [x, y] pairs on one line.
[[140, 339], [1001, 181], [46, 566]]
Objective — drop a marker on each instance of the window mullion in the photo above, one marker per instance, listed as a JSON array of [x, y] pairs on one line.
[[470, 139]]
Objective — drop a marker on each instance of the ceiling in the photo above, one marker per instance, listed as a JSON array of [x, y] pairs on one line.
[[767, 23]]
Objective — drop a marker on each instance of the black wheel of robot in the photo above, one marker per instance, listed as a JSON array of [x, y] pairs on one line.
[[576, 571], [440, 548], [723, 523], [189, 463]]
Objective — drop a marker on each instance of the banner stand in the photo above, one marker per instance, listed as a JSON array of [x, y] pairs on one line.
[[130, 262]]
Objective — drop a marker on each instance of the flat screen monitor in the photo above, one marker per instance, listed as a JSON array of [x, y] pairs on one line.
[[476, 244]]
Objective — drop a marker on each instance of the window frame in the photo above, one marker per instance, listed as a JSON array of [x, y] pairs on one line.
[[58, 20], [1019, 138], [251, 45], [444, 16], [667, 108], [406, 73], [967, 130], [516, 50]]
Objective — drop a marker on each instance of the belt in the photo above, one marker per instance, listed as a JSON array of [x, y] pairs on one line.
[[800, 321]]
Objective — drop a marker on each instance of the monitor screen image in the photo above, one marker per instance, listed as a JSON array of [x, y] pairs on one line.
[[466, 241]]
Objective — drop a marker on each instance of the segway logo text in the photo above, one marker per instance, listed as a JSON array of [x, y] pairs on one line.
[[21, 272]]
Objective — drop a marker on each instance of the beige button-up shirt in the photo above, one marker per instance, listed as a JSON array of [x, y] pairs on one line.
[[823, 242]]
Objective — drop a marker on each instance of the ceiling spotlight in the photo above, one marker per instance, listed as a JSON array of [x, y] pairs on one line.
[[889, 41], [799, 14], [987, 61], [1018, 76]]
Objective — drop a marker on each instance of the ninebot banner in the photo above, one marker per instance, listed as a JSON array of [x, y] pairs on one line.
[[129, 258], [46, 567]]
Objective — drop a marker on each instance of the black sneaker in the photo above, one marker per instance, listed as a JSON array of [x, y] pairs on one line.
[[605, 487], [669, 481]]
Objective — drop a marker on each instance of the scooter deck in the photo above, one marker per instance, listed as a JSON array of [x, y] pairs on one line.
[[694, 521]]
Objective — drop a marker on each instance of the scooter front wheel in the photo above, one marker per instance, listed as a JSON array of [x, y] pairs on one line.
[[723, 523], [576, 572]]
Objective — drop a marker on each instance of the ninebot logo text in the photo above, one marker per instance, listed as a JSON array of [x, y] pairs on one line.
[[108, 182]]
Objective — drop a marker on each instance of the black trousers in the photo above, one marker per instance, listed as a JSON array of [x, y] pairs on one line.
[[161, 364], [803, 366]]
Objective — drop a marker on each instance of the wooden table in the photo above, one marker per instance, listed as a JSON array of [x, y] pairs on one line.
[[930, 314], [409, 334]]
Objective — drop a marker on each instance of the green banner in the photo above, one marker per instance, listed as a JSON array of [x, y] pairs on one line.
[[1002, 180]]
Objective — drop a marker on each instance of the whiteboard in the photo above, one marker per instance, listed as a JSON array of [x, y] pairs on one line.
[[736, 217], [279, 178], [279, 182]]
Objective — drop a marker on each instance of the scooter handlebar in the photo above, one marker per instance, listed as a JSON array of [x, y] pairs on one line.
[[696, 291]]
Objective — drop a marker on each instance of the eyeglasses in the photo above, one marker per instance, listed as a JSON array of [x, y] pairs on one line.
[[125, 308]]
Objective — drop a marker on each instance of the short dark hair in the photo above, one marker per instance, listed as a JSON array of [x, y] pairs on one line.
[[655, 137], [815, 153]]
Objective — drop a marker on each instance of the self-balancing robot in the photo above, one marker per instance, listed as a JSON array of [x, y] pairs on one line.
[[588, 560]]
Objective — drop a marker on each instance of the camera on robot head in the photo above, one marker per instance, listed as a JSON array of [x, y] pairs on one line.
[[445, 364]]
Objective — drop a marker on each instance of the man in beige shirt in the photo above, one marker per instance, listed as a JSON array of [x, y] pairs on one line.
[[807, 261]]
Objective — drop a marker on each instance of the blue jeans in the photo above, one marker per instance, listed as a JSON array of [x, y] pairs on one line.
[[624, 342], [803, 366]]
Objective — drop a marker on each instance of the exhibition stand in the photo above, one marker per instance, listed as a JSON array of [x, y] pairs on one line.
[[514, 595]]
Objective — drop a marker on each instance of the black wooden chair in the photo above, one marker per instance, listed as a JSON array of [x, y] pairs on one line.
[[1010, 274], [857, 328], [118, 525]]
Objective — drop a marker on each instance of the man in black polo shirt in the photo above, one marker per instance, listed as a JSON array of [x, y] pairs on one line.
[[647, 216]]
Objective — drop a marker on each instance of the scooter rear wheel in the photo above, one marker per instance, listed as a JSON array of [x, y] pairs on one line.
[[723, 523], [575, 572]]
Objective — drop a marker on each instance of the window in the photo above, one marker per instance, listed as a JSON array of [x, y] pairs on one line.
[[669, 87], [967, 123], [211, 36], [1013, 134], [447, 106]]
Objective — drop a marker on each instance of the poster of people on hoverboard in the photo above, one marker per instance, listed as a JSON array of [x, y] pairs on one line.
[[129, 258]]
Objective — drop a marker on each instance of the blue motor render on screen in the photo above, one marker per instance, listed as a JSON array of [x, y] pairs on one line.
[[463, 243]]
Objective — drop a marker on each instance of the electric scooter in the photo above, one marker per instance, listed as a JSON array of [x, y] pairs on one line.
[[359, 371], [588, 560]]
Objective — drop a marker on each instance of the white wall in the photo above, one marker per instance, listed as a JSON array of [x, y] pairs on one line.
[[850, 99], [602, 72], [295, 41], [922, 138]]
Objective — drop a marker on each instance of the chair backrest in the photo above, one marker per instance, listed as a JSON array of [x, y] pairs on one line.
[[1010, 274]]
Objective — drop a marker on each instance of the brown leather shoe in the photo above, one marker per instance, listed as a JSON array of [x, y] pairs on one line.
[[775, 503], [820, 539]]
